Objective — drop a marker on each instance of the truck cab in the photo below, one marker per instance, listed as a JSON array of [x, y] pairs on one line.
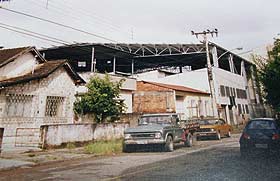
[[154, 130]]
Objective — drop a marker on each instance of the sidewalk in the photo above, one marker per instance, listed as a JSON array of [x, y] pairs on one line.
[[7, 164], [10, 160]]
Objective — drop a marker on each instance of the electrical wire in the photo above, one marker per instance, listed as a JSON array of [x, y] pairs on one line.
[[39, 34], [58, 24], [71, 13]]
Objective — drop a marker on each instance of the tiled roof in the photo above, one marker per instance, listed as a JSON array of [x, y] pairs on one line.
[[8, 55], [177, 87], [42, 71]]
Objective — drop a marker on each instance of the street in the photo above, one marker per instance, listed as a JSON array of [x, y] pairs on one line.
[[223, 163], [207, 160]]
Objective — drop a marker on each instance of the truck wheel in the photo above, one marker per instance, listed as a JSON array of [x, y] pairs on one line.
[[189, 140], [169, 145], [218, 136]]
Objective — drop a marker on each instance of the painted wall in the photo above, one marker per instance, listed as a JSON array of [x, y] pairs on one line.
[[55, 135], [197, 79]]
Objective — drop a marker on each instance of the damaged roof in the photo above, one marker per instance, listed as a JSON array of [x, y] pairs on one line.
[[9, 55], [42, 71], [176, 87]]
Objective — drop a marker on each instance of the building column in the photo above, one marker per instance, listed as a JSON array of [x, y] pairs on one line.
[[231, 65], [227, 114]]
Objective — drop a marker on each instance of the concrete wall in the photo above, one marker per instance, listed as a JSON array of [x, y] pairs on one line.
[[55, 135]]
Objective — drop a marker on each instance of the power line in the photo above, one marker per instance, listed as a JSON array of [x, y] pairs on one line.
[[69, 12], [39, 37], [59, 24], [39, 34]]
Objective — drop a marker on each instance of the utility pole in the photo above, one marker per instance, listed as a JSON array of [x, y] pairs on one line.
[[205, 34]]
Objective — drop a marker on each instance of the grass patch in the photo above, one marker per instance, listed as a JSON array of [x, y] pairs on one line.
[[104, 147], [70, 146]]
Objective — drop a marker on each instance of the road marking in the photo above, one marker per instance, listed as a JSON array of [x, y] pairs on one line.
[[187, 152]]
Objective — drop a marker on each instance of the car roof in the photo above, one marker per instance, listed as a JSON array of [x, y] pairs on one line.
[[263, 119]]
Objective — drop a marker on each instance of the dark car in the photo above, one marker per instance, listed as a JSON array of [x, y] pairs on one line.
[[260, 135]]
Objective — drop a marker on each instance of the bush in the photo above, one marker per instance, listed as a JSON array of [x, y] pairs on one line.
[[104, 147]]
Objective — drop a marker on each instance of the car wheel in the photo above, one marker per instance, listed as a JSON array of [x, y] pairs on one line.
[[169, 145], [218, 136], [189, 141], [229, 133]]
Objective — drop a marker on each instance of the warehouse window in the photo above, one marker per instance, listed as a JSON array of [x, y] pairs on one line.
[[222, 91], [82, 64], [227, 91]]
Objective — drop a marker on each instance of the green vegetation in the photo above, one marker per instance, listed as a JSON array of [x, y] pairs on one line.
[[102, 100], [104, 147], [70, 146], [269, 76]]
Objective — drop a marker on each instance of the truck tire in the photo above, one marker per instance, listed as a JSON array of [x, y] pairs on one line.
[[189, 140], [169, 145]]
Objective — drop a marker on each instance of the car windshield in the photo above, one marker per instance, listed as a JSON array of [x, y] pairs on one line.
[[155, 120], [208, 122], [261, 124]]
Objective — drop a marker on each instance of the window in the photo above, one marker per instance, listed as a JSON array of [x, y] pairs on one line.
[[247, 109], [82, 64], [231, 91], [261, 124], [222, 91], [54, 106], [227, 91], [19, 105], [239, 109]]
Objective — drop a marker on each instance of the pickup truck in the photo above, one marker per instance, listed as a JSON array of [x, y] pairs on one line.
[[159, 130]]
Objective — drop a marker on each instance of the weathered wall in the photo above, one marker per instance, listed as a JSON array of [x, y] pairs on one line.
[[153, 102], [55, 135], [21, 65], [56, 84]]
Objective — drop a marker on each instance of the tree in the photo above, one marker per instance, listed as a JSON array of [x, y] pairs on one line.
[[101, 100], [269, 75]]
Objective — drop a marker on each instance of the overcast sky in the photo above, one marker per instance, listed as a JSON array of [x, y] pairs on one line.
[[251, 24]]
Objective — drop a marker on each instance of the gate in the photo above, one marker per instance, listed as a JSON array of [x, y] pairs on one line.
[[1, 137], [27, 137]]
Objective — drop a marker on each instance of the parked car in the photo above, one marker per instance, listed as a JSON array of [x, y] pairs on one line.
[[215, 128], [158, 130], [260, 135]]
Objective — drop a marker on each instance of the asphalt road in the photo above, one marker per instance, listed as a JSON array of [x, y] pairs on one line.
[[207, 160], [220, 163]]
